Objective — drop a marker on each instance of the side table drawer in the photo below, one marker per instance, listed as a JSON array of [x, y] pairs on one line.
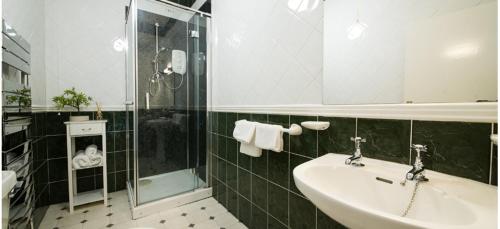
[[85, 129]]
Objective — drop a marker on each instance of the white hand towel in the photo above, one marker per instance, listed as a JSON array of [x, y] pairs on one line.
[[244, 131], [91, 150], [250, 149], [80, 160], [269, 137]]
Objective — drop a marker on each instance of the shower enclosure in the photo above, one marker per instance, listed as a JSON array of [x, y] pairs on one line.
[[167, 67]]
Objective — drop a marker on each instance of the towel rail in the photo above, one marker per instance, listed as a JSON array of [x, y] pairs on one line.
[[293, 130]]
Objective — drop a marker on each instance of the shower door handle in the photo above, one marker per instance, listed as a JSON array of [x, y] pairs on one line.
[[129, 102], [147, 100]]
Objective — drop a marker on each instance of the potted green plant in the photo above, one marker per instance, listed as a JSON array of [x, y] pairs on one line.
[[22, 97], [74, 99]]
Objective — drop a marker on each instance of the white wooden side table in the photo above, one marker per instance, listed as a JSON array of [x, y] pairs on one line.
[[85, 129]]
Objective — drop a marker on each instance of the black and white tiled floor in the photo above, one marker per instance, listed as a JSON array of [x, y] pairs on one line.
[[206, 214]]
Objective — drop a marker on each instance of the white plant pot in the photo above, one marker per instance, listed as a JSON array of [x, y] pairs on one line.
[[79, 118]]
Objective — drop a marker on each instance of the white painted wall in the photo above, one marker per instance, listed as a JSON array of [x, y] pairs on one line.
[[27, 17], [79, 49], [267, 52]]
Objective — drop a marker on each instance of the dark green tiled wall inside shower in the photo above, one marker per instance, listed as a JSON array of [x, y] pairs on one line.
[[261, 192]]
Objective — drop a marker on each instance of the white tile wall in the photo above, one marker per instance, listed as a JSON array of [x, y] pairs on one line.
[[79, 49], [27, 18], [267, 52]]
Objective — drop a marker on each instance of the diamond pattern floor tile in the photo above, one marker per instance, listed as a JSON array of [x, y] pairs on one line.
[[204, 214]]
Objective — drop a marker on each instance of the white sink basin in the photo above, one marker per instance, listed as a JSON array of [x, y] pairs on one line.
[[8, 182], [354, 197]]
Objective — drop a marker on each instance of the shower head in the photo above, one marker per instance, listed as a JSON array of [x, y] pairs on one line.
[[159, 51], [155, 60]]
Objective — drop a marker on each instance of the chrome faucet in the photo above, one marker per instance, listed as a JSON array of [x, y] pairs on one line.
[[355, 159], [417, 172]]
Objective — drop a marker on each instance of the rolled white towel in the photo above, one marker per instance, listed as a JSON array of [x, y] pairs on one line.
[[91, 150], [80, 160], [95, 159]]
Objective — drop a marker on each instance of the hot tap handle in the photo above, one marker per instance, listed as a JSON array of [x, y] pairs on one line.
[[420, 148], [358, 139]]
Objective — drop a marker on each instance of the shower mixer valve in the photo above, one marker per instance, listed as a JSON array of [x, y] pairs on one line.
[[178, 65]]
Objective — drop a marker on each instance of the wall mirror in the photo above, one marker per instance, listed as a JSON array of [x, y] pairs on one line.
[[409, 51]]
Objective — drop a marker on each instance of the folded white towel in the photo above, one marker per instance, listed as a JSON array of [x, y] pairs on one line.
[[244, 131], [250, 149], [91, 150], [269, 137], [80, 160]]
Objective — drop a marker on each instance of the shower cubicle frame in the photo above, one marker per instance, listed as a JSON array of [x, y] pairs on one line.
[[141, 210]]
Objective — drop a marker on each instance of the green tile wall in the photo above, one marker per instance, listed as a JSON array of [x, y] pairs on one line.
[[458, 148], [50, 146], [261, 192], [385, 139]]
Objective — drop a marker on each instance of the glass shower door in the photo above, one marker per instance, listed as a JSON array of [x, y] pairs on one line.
[[198, 48], [167, 120], [130, 72]]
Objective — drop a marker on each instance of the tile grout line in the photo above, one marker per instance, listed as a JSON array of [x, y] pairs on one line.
[[279, 221], [48, 168], [216, 147], [267, 185], [288, 189], [267, 191], [225, 151], [491, 154], [411, 140], [251, 186], [317, 155], [237, 178], [317, 139], [356, 128], [300, 155], [316, 217]]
